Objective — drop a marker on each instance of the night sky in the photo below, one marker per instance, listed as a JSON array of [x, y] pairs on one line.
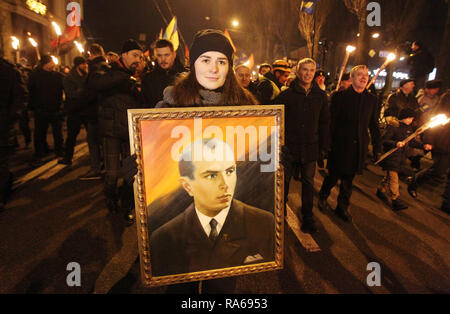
[[111, 22]]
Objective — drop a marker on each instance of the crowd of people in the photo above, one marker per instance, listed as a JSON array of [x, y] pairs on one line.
[[321, 123]]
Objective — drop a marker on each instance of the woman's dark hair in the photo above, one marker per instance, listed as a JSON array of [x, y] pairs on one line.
[[186, 91]]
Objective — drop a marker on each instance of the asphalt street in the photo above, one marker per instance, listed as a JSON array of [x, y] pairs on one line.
[[54, 219]]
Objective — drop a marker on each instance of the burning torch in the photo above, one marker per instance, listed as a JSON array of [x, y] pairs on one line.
[[440, 119], [348, 51], [391, 57], [79, 47], [16, 44], [35, 45], [58, 34]]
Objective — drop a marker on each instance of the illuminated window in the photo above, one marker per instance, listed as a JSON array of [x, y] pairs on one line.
[[37, 6]]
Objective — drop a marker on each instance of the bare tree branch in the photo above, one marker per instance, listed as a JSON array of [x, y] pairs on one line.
[[358, 8], [306, 25]]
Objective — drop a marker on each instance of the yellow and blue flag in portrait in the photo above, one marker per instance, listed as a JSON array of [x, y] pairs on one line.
[[308, 6], [171, 33]]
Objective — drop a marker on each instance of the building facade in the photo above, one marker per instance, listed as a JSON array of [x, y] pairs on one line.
[[33, 18]]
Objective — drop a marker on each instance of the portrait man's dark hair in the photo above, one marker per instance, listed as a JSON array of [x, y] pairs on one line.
[[185, 165]]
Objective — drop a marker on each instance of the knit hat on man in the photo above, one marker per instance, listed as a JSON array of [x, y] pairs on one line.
[[129, 45], [406, 113], [281, 65], [45, 59], [78, 60], [210, 40], [403, 82], [433, 84]]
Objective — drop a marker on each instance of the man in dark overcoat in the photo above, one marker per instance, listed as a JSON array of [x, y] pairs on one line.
[[12, 99], [307, 134], [118, 93], [353, 111]]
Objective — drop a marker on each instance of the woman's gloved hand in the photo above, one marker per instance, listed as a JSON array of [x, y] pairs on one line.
[[129, 169]]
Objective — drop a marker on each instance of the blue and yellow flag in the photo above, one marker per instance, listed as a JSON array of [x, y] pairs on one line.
[[171, 33], [308, 6]]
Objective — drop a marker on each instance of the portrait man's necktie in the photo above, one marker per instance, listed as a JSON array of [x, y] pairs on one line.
[[213, 234]]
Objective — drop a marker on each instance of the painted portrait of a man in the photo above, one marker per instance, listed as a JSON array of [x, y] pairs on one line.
[[216, 230]]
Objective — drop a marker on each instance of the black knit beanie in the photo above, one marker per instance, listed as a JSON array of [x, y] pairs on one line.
[[129, 45], [403, 82], [45, 59], [210, 40], [433, 84], [78, 60]]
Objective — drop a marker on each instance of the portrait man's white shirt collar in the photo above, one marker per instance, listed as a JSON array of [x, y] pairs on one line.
[[205, 220]]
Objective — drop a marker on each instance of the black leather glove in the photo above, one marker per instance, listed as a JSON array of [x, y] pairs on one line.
[[320, 161], [129, 169]]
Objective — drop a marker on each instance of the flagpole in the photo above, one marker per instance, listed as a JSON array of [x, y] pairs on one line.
[[179, 30], [314, 30]]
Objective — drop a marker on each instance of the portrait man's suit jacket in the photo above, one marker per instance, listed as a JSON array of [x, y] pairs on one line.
[[182, 246]]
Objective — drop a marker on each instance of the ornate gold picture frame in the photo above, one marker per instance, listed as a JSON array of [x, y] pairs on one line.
[[195, 164]]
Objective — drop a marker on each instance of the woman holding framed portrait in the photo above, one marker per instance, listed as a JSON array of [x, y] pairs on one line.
[[211, 80], [208, 216]]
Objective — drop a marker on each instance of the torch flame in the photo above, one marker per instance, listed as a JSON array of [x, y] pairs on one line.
[[57, 29], [55, 60], [79, 46], [33, 42], [15, 42], [440, 119], [391, 57], [350, 49]]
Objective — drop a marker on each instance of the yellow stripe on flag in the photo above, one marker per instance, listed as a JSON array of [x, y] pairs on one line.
[[175, 41], [171, 33]]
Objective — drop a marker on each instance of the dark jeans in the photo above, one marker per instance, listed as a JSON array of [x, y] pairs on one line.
[[41, 124], [74, 123], [93, 139], [307, 172], [24, 125], [345, 188], [115, 150], [436, 172]]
